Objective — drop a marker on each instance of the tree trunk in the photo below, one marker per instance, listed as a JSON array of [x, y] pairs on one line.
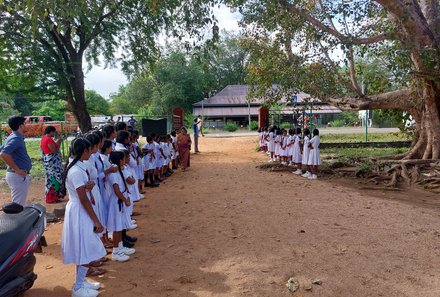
[[76, 94], [426, 142]]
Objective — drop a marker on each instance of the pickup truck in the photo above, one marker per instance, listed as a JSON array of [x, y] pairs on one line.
[[37, 124]]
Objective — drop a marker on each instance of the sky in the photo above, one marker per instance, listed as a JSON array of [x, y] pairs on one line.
[[107, 81]]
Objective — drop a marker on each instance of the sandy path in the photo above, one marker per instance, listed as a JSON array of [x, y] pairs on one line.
[[229, 229]]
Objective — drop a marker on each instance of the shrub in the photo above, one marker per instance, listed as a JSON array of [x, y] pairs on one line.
[[285, 125], [231, 126], [254, 125], [337, 123]]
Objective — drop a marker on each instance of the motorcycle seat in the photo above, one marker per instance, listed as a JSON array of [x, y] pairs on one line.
[[14, 230]]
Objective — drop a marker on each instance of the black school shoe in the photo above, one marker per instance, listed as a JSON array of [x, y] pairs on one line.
[[127, 244], [130, 238]]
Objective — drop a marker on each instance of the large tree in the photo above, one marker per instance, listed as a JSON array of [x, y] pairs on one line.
[[57, 37], [308, 44]]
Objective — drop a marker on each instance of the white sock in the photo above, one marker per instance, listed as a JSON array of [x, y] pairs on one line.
[[81, 273]]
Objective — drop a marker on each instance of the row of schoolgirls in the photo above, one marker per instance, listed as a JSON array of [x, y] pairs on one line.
[[292, 147], [104, 177]]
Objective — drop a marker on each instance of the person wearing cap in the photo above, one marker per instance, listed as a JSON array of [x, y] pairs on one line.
[[15, 155]]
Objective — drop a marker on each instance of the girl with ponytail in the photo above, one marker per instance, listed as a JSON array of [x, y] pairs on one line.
[[80, 243], [118, 202]]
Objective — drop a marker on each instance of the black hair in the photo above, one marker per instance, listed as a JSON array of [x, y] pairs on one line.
[[122, 136], [315, 132], [120, 126], [259, 130], [125, 151], [15, 122], [115, 158], [195, 120], [298, 131], [306, 132], [149, 138], [107, 143], [136, 132], [290, 131], [49, 129], [77, 148], [99, 133], [173, 133], [92, 138], [107, 130]]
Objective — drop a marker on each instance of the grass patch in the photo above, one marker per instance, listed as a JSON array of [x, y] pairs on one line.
[[372, 137], [366, 152]]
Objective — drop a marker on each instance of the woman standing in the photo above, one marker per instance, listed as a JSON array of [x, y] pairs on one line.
[[52, 165], [184, 147]]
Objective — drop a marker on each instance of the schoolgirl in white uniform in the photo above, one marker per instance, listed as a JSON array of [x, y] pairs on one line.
[[138, 155], [80, 243], [265, 133], [283, 147], [92, 171], [118, 202], [174, 152], [149, 160], [314, 155], [271, 144], [296, 155], [306, 150], [290, 140], [130, 180], [277, 144]]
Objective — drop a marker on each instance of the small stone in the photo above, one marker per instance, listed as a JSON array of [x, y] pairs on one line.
[[317, 281], [292, 284]]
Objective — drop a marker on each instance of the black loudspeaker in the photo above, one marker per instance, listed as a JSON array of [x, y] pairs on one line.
[[158, 127]]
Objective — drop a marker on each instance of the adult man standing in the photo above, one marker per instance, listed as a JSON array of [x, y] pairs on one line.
[[132, 122], [196, 136], [19, 163]]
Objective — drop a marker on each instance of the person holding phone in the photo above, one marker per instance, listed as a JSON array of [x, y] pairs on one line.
[[52, 163], [80, 242]]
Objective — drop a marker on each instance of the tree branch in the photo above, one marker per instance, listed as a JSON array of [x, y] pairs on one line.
[[348, 39], [353, 78], [400, 100]]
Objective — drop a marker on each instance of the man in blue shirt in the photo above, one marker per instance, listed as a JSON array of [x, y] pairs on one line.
[[19, 163]]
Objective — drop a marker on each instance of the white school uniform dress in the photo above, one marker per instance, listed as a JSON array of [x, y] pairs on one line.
[[107, 164], [166, 152], [260, 139], [97, 203], [140, 168], [296, 154], [117, 217], [290, 141], [176, 152], [277, 145], [306, 149], [314, 155], [135, 196], [128, 172], [158, 156], [79, 244], [282, 150], [149, 160], [271, 144]]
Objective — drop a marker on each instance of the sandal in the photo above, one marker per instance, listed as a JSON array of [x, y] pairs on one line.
[[95, 271], [96, 263]]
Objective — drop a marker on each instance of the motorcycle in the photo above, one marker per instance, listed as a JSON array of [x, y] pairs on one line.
[[21, 234]]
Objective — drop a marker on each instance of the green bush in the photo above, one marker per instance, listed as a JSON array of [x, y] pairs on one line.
[[254, 125], [337, 123], [231, 126], [285, 125]]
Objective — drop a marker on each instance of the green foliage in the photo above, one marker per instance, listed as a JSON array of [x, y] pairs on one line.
[[254, 125], [55, 109], [96, 104], [338, 123], [231, 126], [285, 125], [6, 108], [360, 137]]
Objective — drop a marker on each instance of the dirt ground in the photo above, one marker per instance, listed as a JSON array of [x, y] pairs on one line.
[[227, 228]]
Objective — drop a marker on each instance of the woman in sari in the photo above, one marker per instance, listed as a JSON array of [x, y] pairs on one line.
[[184, 147], [52, 165]]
